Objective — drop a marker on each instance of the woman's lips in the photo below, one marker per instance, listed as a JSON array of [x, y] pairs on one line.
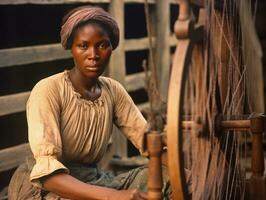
[[93, 67]]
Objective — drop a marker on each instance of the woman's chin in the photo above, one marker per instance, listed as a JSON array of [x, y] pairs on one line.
[[93, 73]]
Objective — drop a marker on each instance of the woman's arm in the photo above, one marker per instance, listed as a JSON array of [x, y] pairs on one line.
[[128, 117], [69, 187]]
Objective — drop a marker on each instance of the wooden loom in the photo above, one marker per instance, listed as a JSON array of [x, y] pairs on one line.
[[190, 36]]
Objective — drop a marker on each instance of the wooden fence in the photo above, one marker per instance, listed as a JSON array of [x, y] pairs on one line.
[[162, 41]]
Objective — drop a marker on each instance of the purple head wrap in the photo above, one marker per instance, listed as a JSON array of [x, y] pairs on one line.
[[86, 14]]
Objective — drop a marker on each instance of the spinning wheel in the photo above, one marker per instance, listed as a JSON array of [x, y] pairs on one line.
[[205, 117]]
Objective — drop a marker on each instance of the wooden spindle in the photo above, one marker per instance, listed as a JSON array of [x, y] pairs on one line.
[[155, 183], [257, 183]]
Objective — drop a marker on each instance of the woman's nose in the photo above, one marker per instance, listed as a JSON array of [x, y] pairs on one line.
[[93, 53]]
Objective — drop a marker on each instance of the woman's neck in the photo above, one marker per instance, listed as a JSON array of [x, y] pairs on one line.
[[82, 83]]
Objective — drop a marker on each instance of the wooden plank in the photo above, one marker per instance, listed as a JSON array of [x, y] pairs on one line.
[[252, 56], [13, 156], [135, 81], [32, 54], [140, 1], [44, 2], [172, 40], [195, 2], [35, 54], [117, 70], [143, 106], [138, 44], [163, 46], [13, 103], [133, 161], [19, 2], [117, 66]]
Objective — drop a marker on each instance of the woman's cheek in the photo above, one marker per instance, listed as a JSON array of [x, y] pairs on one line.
[[109, 53]]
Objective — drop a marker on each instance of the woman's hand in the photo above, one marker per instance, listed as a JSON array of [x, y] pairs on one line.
[[131, 194]]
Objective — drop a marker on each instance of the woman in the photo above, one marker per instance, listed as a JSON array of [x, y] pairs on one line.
[[70, 117]]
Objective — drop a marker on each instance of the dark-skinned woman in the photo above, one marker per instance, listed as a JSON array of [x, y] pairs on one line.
[[70, 118]]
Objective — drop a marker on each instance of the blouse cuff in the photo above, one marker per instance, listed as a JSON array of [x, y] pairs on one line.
[[45, 165]]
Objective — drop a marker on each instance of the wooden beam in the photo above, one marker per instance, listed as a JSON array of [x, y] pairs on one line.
[[143, 106], [140, 1], [32, 54], [13, 103], [173, 1], [13, 156], [117, 66], [196, 2], [135, 81], [117, 69], [172, 40], [163, 46], [130, 162], [18, 2], [36, 54], [252, 51], [138, 44]]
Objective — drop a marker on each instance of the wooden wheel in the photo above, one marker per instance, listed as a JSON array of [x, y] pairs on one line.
[[174, 139], [180, 67], [199, 92]]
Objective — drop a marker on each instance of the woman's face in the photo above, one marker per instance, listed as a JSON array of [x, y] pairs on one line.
[[91, 50]]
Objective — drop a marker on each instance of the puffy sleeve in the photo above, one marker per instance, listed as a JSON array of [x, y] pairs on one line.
[[43, 117], [128, 118]]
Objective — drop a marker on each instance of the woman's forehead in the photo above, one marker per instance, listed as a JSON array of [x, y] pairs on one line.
[[91, 30]]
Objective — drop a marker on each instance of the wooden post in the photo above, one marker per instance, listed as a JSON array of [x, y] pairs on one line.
[[155, 182], [257, 183], [252, 56], [162, 45], [117, 70]]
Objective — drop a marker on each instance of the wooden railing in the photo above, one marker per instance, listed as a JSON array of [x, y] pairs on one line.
[[14, 103]]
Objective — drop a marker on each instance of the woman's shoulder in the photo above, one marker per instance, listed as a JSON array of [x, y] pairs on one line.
[[114, 88], [49, 86], [110, 83], [51, 82]]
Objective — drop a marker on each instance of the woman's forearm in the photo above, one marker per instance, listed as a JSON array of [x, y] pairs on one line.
[[69, 187]]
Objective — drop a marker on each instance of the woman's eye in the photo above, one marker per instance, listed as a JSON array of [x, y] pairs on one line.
[[83, 46], [103, 45]]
